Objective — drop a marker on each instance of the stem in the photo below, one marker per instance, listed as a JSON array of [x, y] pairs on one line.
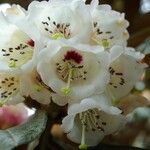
[[83, 146]]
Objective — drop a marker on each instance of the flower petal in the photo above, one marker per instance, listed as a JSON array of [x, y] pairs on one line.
[[124, 73]]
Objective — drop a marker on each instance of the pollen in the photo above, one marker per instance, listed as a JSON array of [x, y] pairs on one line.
[[73, 55]]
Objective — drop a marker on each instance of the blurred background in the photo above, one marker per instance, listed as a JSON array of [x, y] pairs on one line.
[[137, 131]]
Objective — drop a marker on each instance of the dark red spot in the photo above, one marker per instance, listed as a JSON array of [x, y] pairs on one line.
[[31, 43], [73, 55]]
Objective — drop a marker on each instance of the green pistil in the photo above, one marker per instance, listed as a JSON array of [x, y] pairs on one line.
[[12, 64], [105, 43], [37, 87], [83, 147], [66, 90], [56, 36], [115, 101]]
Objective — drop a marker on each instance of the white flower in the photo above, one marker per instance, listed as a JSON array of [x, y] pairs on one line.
[[18, 51], [107, 59], [92, 119], [125, 71], [60, 19], [15, 13], [35, 88], [74, 71], [10, 87], [109, 26], [17, 48]]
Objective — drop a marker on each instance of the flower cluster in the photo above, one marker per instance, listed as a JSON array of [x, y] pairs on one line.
[[70, 53]]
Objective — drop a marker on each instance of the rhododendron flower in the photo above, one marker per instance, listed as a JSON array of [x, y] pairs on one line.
[[109, 26], [125, 71], [17, 49], [57, 21], [12, 115], [90, 120], [74, 71], [17, 54], [106, 58]]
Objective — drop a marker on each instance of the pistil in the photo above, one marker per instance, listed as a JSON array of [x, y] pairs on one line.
[[66, 90], [57, 36], [37, 87], [105, 43], [83, 146]]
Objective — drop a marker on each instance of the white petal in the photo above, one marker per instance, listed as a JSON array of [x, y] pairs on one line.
[[132, 52], [125, 72], [59, 100], [115, 52], [15, 13], [15, 48], [33, 87], [10, 85], [68, 123], [75, 134]]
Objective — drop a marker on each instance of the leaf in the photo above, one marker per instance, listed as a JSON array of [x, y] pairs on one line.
[[24, 133]]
